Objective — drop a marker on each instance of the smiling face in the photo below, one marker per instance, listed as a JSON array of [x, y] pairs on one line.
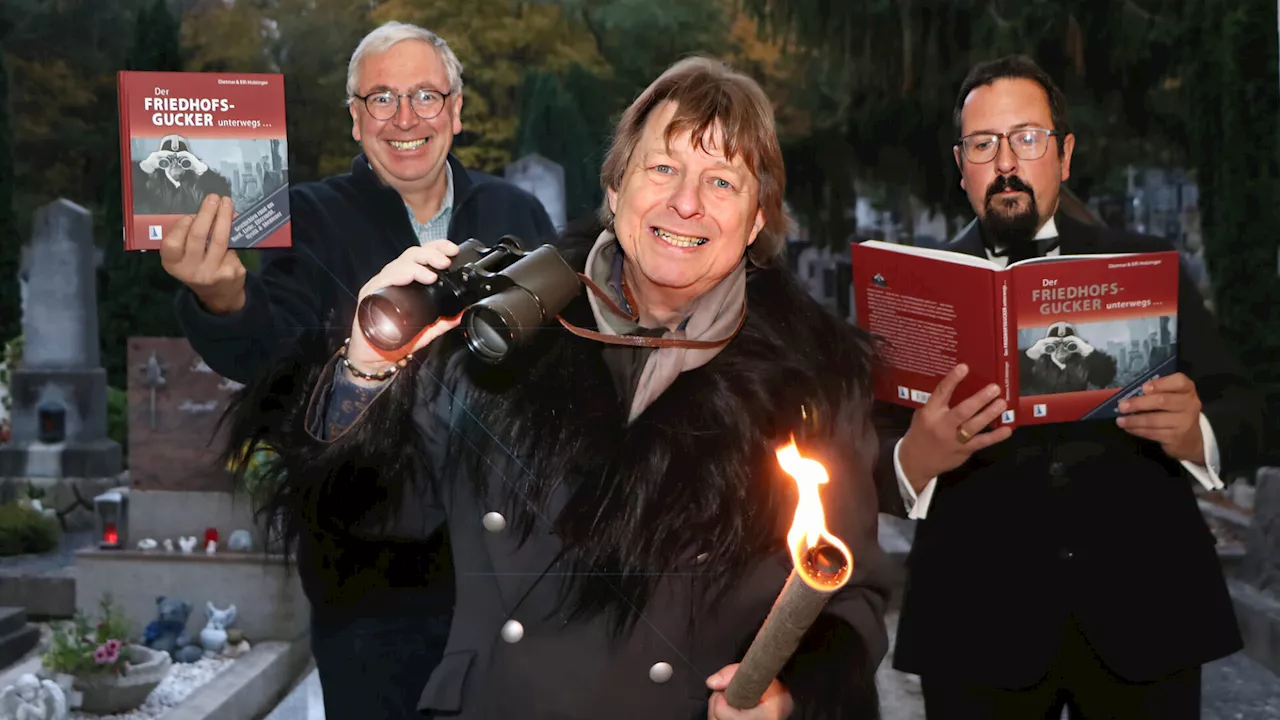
[[1008, 192], [407, 152], [684, 214]]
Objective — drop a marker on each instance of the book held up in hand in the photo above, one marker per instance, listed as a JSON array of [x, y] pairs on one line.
[[1065, 338], [184, 136]]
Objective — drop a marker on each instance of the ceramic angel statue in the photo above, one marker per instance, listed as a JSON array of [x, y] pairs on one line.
[[33, 699]]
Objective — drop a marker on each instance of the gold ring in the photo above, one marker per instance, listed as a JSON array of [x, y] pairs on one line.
[[963, 436]]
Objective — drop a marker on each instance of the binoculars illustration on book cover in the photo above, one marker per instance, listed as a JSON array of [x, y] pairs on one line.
[[504, 293]]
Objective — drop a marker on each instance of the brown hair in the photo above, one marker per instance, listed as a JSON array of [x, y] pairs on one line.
[[707, 92]]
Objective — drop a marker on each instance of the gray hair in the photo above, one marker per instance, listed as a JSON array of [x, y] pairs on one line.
[[380, 40]]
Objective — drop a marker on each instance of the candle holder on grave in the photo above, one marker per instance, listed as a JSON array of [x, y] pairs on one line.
[[52, 421], [111, 510]]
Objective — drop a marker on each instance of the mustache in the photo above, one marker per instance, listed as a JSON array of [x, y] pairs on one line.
[[1008, 182]]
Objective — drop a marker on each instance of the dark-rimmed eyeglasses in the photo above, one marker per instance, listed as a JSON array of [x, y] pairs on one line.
[[1026, 143], [426, 104]]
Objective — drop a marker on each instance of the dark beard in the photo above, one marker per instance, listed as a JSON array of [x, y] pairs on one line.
[[1002, 230]]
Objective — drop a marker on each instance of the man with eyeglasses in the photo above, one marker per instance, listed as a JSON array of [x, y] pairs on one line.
[[1066, 564], [381, 606]]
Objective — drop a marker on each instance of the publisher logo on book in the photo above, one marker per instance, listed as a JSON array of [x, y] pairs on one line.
[[154, 232]]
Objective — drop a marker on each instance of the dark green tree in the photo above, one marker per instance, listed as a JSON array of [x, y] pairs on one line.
[[135, 293], [10, 238], [552, 125], [1230, 85]]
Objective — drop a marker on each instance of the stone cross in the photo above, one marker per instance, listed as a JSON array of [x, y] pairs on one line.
[[543, 178], [154, 380]]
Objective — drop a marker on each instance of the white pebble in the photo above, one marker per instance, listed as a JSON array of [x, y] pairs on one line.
[[182, 680]]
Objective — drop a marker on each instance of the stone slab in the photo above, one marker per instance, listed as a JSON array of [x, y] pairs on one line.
[[60, 316], [1259, 616], [160, 514], [270, 604], [15, 645], [81, 391], [251, 687], [58, 460], [45, 595], [12, 619], [1261, 566], [178, 450]]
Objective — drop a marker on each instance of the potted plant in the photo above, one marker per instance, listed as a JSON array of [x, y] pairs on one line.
[[98, 662]]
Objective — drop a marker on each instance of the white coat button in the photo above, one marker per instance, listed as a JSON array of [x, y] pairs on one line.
[[702, 557], [512, 631], [494, 522], [660, 672]]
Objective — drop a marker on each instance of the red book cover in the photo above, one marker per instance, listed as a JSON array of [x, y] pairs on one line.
[[186, 135], [1066, 338]]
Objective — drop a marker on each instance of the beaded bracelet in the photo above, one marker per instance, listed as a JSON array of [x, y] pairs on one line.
[[378, 376]]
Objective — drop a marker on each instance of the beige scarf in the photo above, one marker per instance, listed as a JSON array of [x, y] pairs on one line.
[[714, 320]]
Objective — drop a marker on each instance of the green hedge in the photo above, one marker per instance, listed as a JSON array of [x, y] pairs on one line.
[[24, 531]]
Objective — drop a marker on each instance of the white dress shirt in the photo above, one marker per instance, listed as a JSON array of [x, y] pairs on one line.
[[1207, 474]]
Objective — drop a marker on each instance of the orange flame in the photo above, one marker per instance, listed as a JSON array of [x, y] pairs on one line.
[[809, 528]]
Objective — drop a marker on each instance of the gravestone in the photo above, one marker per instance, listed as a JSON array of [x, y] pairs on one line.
[[59, 394], [175, 401], [543, 178], [1255, 591], [1261, 564]]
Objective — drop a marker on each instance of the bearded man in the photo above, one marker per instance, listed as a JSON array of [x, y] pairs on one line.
[[615, 506], [1066, 564]]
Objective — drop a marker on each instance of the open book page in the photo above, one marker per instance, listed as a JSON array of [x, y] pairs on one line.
[[1090, 330], [932, 310]]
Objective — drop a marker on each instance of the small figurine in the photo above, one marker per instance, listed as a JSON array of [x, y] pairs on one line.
[[168, 544], [147, 544], [33, 699], [211, 548], [188, 544], [214, 635], [168, 632], [240, 541]]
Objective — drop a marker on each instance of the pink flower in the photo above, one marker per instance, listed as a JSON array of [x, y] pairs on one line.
[[107, 653]]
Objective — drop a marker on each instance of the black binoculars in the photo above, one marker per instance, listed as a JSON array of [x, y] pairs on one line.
[[503, 292]]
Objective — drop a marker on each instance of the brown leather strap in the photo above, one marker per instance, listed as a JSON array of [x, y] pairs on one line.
[[641, 340]]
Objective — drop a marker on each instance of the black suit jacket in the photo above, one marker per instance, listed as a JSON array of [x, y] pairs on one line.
[[1078, 519]]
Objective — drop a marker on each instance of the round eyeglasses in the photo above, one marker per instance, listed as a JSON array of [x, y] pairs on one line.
[[384, 105], [1026, 143]]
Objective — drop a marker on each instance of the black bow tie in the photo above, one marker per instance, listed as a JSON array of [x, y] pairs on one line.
[[1027, 250]]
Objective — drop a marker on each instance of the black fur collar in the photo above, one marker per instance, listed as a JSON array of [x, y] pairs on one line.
[[696, 472]]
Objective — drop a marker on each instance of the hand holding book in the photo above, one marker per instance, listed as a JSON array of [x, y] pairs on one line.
[[195, 253], [942, 437], [1167, 412]]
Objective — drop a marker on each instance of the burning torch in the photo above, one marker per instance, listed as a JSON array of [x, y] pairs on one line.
[[821, 565]]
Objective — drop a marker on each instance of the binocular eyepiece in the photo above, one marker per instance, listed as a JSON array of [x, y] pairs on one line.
[[503, 292]]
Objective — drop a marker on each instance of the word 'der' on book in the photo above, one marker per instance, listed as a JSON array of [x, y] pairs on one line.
[[1066, 338], [184, 136]]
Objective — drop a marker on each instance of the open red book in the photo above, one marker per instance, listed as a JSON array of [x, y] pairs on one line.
[[186, 135], [1066, 338]]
